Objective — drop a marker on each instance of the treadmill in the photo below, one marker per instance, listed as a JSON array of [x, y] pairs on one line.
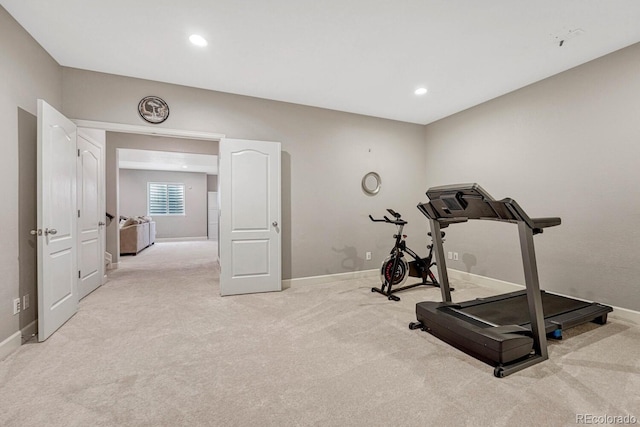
[[510, 330]]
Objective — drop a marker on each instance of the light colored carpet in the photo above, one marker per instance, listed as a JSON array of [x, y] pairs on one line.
[[158, 346]]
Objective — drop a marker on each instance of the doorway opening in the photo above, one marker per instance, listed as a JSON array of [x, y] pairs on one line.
[[163, 195], [149, 153]]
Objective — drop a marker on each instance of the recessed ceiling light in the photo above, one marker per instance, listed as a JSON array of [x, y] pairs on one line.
[[421, 91], [184, 166], [197, 40]]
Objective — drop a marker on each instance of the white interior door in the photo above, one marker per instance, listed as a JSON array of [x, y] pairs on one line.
[[91, 211], [212, 215], [57, 225], [250, 239]]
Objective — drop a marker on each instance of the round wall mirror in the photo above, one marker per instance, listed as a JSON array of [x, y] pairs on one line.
[[371, 183]]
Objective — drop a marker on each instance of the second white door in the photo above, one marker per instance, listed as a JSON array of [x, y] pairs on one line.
[[250, 223], [91, 211]]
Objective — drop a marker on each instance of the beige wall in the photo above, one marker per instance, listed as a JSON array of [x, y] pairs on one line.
[[133, 201], [568, 146], [325, 154], [27, 73], [212, 182]]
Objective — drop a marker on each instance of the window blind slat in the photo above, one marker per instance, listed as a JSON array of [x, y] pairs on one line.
[[166, 199]]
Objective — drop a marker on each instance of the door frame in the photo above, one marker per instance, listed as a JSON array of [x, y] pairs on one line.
[[148, 130]]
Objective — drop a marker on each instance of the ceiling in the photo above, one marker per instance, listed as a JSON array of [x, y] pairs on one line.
[[167, 161], [360, 56]]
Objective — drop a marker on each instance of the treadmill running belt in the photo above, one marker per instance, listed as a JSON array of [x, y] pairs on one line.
[[515, 311]]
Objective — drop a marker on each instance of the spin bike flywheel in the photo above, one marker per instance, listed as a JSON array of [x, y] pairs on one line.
[[387, 274]]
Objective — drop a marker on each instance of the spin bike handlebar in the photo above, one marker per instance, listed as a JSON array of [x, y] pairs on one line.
[[397, 216], [398, 221]]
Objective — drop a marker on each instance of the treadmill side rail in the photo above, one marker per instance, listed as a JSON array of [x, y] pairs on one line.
[[502, 371]]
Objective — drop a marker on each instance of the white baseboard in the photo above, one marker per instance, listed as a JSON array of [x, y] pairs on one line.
[[502, 286], [10, 344], [314, 280], [29, 331], [180, 239]]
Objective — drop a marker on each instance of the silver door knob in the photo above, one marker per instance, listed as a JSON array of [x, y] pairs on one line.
[[37, 232], [48, 231], [274, 223], [101, 223]]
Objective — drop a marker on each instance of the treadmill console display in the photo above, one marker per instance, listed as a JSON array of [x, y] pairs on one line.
[[461, 202], [473, 190]]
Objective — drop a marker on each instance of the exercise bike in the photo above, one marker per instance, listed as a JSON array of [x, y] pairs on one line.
[[395, 268]]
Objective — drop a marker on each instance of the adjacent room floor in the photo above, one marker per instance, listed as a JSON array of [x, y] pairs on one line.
[[158, 346]]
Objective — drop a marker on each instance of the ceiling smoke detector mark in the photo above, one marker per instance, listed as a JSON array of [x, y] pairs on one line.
[[564, 37]]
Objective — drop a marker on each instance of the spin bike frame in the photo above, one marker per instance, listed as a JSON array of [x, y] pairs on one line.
[[422, 265]]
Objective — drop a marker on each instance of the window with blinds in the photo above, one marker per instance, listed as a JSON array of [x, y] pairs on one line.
[[165, 199]]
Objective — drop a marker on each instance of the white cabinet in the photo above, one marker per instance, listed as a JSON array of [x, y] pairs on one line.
[[212, 209]]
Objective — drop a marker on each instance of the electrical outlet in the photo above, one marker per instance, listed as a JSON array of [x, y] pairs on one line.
[[367, 256], [25, 302], [450, 255], [455, 256], [16, 306]]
